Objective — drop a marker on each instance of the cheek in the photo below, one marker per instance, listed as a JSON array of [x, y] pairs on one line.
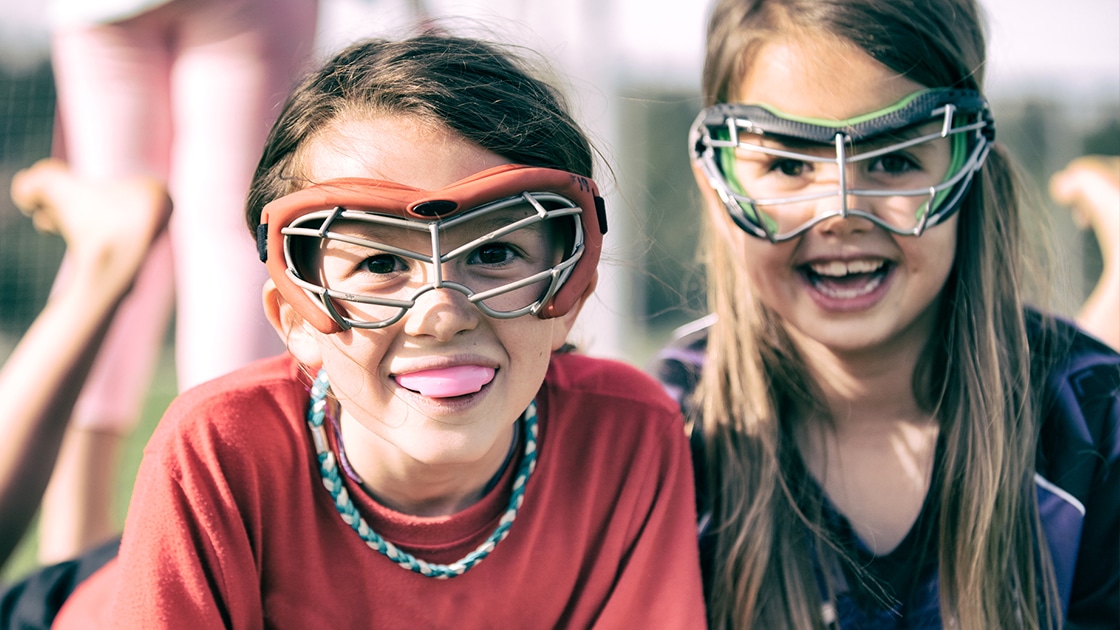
[[933, 253], [944, 263], [768, 267], [527, 342], [531, 342], [353, 358]]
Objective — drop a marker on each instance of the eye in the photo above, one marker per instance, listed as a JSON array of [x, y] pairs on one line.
[[493, 254], [383, 264], [788, 167], [894, 164]]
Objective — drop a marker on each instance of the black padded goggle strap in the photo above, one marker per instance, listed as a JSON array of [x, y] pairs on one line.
[[762, 120]]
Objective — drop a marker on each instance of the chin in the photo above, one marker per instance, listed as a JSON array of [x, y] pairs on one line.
[[856, 336], [451, 450]]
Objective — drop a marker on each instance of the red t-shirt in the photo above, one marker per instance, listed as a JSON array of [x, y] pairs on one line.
[[230, 524]]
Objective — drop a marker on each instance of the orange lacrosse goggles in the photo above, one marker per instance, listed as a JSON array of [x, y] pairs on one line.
[[357, 253]]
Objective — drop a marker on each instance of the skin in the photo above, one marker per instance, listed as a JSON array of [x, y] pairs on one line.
[[873, 454], [108, 227], [1090, 185], [419, 455]]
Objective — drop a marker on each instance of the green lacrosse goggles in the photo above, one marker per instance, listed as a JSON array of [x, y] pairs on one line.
[[905, 168]]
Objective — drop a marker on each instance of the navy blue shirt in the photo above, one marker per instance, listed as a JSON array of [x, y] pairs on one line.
[[1077, 478]]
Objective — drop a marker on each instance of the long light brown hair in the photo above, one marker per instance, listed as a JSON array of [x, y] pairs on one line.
[[974, 374]]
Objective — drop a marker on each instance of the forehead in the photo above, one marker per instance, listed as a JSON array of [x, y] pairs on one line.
[[819, 76], [397, 148]]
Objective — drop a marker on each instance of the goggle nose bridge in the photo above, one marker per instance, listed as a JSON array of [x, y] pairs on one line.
[[841, 164]]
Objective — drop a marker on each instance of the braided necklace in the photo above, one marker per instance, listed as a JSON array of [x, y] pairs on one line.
[[328, 469]]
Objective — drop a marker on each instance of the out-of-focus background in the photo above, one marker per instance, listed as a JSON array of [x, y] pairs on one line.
[[632, 71]]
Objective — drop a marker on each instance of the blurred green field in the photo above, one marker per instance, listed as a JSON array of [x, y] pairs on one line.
[[162, 390]]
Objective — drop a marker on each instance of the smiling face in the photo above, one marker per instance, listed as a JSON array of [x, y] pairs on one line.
[[443, 385], [846, 284]]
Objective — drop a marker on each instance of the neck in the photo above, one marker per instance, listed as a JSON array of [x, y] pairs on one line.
[[873, 454], [411, 486], [870, 386]]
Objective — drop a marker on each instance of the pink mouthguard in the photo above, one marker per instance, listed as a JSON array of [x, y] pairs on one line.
[[447, 382]]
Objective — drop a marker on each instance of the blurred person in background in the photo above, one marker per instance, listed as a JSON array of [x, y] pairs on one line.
[[182, 91]]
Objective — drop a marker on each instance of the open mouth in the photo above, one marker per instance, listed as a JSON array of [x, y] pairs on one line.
[[449, 382], [847, 279]]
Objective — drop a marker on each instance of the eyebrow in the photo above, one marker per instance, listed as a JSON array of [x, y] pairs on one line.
[[787, 143], [390, 236], [499, 219], [382, 238], [927, 147], [880, 140]]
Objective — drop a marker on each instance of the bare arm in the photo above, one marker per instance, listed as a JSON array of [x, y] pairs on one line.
[[1090, 185], [108, 227]]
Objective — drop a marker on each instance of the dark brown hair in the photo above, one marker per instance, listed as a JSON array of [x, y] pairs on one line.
[[477, 89]]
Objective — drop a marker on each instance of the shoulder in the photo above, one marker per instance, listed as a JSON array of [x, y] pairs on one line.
[[275, 382], [678, 365], [1060, 350], [1079, 402], [586, 379], [254, 413], [1079, 375], [209, 476], [603, 419], [589, 398], [1078, 462]]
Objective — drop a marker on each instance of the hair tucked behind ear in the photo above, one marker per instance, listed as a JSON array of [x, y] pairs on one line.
[[974, 374], [477, 89]]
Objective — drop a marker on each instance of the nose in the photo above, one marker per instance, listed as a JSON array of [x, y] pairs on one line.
[[833, 212], [441, 314], [829, 212], [837, 225], [836, 218]]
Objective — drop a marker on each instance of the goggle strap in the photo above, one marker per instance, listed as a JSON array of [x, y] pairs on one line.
[[918, 107], [262, 242], [601, 212]]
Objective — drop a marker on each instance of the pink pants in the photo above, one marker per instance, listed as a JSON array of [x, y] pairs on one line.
[[186, 92]]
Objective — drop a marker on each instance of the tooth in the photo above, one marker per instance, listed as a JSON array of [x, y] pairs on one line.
[[834, 268], [839, 268], [863, 266], [851, 292]]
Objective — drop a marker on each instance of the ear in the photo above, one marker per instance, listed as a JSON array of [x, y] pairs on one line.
[[300, 338], [562, 325]]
